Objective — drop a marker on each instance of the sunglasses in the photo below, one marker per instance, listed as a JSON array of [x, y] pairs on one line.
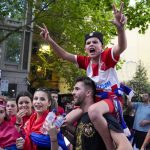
[[43, 89]]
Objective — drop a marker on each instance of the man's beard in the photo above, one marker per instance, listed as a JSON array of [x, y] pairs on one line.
[[77, 102]]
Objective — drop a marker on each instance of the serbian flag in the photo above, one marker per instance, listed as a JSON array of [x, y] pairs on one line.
[[34, 138], [128, 91]]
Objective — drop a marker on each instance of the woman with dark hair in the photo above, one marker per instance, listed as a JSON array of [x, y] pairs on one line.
[[35, 139], [8, 132], [24, 103]]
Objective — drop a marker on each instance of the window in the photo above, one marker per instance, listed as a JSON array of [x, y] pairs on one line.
[[13, 48], [12, 89]]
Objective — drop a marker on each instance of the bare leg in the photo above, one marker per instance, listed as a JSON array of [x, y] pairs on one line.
[[96, 112], [121, 141]]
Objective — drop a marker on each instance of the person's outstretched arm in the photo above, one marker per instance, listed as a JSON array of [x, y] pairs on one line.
[[119, 21], [59, 51]]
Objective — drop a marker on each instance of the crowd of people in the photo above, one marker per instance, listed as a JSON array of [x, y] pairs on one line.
[[95, 119], [22, 120]]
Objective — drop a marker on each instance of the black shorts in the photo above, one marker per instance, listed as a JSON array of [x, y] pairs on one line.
[[113, 123]]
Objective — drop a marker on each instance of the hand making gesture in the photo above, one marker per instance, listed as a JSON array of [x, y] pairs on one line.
[[119, 18], [44, 32]]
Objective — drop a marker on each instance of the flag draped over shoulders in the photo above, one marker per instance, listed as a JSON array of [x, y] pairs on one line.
[[34, 137], [33, 125]]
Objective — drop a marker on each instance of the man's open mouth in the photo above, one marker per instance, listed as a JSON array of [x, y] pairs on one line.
[[92, 50]]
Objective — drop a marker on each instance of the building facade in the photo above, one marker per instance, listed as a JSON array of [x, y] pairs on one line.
[[137, 50], [15, 52]]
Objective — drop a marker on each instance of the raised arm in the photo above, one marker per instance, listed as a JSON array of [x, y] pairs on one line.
[[119, 21], [59, 51]]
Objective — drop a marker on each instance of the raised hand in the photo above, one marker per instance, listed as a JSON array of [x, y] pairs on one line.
[[20, 115], [44, 32], [52, 131], [119, 18]]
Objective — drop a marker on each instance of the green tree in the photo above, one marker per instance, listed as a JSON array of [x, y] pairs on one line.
[[138, 15], [12, 8], [140, 83], [69, 20]]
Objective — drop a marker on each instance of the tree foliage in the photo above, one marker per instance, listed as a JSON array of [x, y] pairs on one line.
[[69, 20], [139, 15], [140, 83], [12, 8]]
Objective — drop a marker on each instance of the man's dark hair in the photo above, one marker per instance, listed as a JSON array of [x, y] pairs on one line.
[[87, 82], [54, 92], [23, 93]]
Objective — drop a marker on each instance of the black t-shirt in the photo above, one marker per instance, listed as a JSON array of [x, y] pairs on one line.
[[87, 138]]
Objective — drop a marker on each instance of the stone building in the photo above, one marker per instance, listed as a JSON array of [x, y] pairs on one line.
[[15, 53]]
